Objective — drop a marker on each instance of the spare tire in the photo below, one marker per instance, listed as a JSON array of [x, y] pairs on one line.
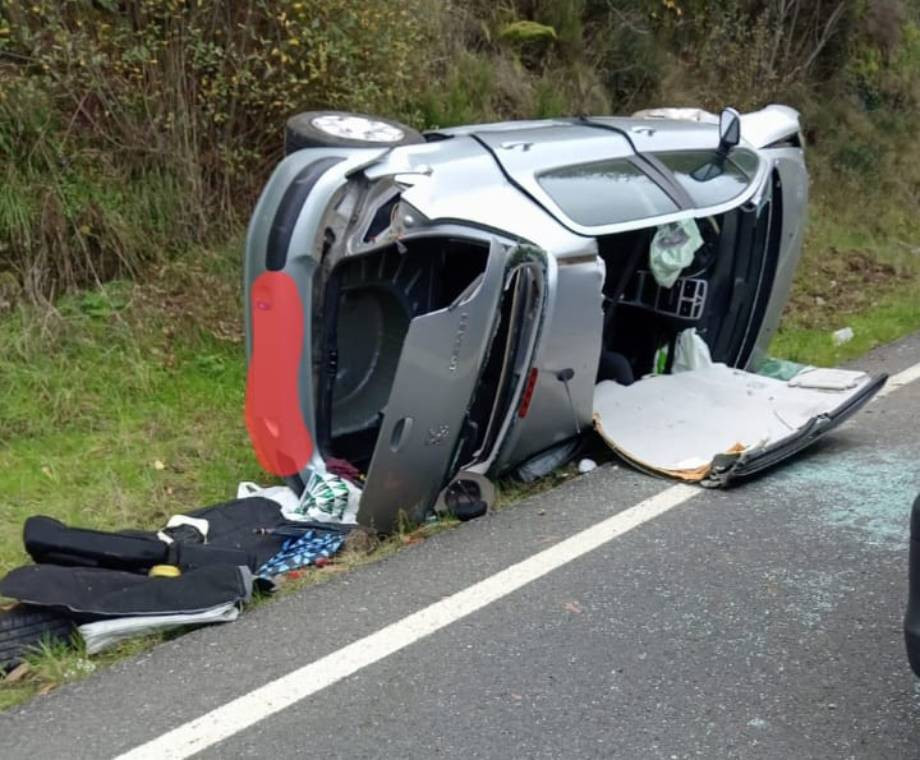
[[341, 129], [25, 626]]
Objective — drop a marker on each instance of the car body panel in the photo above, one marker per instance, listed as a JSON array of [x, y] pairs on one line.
[[301, 258], [715, 425], [481, 183], [525, 154], [731, 468], [789, 163], [571, 340], [458, 180], [438, 369]]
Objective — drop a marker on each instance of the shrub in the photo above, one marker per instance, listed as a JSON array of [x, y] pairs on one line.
[[177, 102]]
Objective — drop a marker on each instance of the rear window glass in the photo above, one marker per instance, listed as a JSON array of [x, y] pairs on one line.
[[605, 192], [735, 177]]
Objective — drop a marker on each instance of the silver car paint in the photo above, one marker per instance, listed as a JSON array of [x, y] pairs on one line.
[[457, 182], [434, 383]]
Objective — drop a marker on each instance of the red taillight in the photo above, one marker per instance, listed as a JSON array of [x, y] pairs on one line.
[[528, 393]]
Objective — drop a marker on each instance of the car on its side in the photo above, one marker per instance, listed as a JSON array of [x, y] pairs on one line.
[[421, 305]]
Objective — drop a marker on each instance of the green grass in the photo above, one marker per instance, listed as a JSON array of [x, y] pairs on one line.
[[895, 315], [852, 274], [124, 405]]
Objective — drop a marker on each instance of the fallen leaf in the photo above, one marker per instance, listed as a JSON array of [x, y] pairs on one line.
[[158, 465], [17, 673], [573, 607]]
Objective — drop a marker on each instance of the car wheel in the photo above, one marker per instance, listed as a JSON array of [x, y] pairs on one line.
[[341, 129], [25, 626]]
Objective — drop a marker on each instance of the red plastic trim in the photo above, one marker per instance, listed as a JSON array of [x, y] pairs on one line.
[[274, 416]]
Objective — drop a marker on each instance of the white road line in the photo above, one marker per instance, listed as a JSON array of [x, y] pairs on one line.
[[237, 715], [233, 717], [899, 380]]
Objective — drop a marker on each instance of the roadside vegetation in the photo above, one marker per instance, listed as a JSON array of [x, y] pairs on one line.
[[136, 134]]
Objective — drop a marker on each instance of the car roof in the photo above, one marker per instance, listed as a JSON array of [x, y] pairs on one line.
[[646, 134], [608, 174]]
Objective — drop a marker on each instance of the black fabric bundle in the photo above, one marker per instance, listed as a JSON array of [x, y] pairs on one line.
[[232, 539], [95, 574], [96, 592]]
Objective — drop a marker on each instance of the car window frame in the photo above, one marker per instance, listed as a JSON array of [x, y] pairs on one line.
[[668, 184]]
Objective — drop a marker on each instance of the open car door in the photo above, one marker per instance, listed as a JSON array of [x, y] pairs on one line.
[[716, 425], [436, 378]]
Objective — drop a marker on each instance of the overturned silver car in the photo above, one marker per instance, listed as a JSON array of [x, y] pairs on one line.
[[466, 299]]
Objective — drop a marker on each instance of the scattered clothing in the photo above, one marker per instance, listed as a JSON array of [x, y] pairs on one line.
[[103, 593], [230, 530], [199, 568], [327, 498], [49, 541], [344, 469], [302, 551], [186, 529]]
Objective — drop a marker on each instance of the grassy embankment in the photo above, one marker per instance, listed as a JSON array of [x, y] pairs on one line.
[[121, 402]]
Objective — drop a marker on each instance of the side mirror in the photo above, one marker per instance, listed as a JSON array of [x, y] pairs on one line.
[[729, 137], [729, 130]]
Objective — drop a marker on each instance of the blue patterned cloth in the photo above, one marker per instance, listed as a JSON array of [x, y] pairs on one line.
[[302, 551]]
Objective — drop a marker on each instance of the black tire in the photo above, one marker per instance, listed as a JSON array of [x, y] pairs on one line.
[[25, 626], [300, 132]]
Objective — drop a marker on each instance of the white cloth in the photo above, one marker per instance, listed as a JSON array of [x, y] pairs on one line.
[[691, 352], [104, 634], [283, 496]]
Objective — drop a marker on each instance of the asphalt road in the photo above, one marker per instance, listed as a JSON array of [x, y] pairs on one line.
[[759, 622]]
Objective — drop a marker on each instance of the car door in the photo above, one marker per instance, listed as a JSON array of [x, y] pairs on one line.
[[439, 367]]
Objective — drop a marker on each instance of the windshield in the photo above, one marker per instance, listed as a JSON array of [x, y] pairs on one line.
[[605, 192], [737, 172], [618, 190]]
